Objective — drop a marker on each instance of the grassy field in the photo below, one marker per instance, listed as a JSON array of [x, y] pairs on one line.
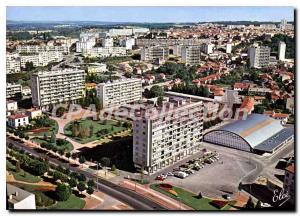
[[68, 147], [73, 202], [48, 131], [44, 196], [42, 199], [21, 175], [110, 125], [189, 198]]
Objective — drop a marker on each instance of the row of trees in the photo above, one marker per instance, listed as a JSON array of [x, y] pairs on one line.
[[191, 89]]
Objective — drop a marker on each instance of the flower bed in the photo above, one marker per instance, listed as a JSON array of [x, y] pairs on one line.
[[168, 188]]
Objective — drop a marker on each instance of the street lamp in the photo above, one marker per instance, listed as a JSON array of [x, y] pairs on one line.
[[97, 163]]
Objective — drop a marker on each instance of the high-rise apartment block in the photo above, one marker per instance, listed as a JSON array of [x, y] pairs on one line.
[[119, 92], [154, 52], [259, 56], [281, 51], [165, 134], [207, 48], [191, 55], [53, 87]]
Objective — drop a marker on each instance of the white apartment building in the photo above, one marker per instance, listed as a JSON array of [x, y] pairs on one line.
[[13, 64], [119, 92], [207, 48], [107, 51], [166, 134], [259, 56], [268, 26], [41, 59], [120, 32], [191, 55], [12, 89], [281, 51], [41, 48], [142, 42], [19, 199], [53, 87], [128, 43], [154, 52], [17, 120], [107, 42], [85, 44]]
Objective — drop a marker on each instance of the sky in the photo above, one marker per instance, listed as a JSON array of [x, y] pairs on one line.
[[149, 14]]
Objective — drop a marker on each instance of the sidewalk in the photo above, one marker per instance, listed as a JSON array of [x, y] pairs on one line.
[[159, 198]]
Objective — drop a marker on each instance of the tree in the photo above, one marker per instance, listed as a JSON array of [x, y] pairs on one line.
[[29, 66], [72, 182], [82, 159], [62, 192], [113, 168], [249, 204], [18, 166], [91, 130], [258, 204], [68, 155], [53, 138], [60, 111], [81, 186], [91, 183], [160, 100], [156, 91], [45, 136], [81, 177], [199, 195], [90, 190], [105, 161], [38, 168]]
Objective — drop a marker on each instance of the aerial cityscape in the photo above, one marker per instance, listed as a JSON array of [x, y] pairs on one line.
[[150, 109]]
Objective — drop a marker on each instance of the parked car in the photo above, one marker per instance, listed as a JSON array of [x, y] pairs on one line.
[[170, 174], [181, 174], [189, 171]]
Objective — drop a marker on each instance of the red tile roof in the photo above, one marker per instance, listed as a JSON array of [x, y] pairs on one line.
[[241, 85], [17, 116]]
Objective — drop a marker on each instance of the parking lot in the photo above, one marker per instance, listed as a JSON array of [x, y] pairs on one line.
[[215, 178]]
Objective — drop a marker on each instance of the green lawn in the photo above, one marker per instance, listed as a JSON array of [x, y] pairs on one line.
[[73, 202], [110, 125], [19, 176], [67, 148], [52, 128], [189, 198]]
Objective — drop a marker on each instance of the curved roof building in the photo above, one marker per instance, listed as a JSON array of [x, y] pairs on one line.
[[258, 132]]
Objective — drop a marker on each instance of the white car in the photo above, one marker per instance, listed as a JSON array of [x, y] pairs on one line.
[[181, 174]]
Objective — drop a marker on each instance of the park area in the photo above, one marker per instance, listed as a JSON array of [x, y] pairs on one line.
[[84, 131], [195, 201], [41, 127]]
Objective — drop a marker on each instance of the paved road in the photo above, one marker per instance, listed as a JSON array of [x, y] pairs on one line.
[[129, 197]]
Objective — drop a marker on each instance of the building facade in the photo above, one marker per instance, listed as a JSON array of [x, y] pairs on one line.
[[153, 53], [19, 199], [259, 56], [119, 92], [281, 51], [17, 120], [191, 55], [167, 134], [53, 87]]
